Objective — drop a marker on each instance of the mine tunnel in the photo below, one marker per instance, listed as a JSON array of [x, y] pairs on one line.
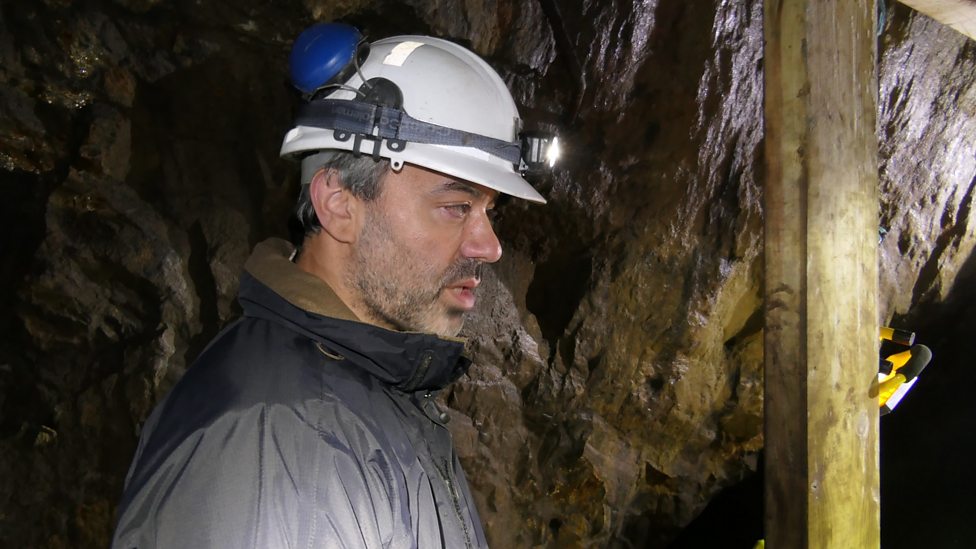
[[616, 393]]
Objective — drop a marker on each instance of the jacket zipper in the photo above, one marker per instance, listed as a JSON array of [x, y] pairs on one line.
[[444, 469], [419, 373], [457, 505]]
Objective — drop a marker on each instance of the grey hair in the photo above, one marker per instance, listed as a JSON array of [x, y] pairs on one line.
[[361, 175]]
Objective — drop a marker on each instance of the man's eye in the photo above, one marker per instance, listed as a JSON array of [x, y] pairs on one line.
[[459, 209]]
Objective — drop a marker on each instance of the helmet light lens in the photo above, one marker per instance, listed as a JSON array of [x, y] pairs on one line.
[[540, 152], [552, 154]]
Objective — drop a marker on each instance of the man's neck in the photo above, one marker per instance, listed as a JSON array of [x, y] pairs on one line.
[[326, 259]]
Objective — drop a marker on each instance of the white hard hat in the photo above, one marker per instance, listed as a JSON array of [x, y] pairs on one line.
[[423, 101]]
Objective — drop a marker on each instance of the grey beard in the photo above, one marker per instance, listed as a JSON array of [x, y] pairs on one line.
[[405, 310], [402, 300]]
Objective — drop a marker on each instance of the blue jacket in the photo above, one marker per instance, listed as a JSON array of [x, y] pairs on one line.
[[301, 427]]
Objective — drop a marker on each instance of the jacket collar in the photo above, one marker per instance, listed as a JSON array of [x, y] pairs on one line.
[[274, 288]]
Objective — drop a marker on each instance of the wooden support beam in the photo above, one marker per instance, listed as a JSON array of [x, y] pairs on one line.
[[821, 236], [958, 14]]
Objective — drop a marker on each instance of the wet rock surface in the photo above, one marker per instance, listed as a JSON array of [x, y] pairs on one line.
[[617, 385]]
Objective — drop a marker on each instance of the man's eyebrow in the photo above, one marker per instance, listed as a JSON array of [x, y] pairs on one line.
[[461, 186]]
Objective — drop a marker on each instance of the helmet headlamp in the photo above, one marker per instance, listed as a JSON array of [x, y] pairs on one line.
[[540, 152]]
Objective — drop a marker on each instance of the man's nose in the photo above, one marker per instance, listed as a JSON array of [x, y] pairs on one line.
[[480, 241]]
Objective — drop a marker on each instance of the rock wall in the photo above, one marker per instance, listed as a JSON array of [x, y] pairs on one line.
[[618, 381], [928, 277], [928, 165]]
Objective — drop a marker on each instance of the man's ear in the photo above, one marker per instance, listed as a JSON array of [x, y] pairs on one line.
[[336, 207]]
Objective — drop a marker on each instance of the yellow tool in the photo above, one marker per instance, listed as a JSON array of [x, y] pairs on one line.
[[898, 372], [901, 337]]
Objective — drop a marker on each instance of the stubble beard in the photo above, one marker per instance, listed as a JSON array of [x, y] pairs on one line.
[[400, 289]]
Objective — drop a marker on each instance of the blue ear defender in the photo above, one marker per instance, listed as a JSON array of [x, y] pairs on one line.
[[325, 54]]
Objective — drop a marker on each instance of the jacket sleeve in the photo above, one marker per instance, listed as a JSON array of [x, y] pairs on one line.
[[264, 477]]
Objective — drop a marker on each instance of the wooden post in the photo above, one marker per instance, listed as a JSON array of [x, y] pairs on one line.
[[821, 215], [958, 14]]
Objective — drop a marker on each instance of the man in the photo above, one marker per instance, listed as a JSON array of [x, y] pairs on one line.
[[310, 422]]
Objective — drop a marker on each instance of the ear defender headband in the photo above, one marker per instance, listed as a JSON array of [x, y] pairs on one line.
[[327, 55]]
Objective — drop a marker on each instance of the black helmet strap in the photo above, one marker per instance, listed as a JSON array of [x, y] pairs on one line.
[[377, 122]]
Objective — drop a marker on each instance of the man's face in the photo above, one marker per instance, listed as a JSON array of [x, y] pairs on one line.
[[418, 257]]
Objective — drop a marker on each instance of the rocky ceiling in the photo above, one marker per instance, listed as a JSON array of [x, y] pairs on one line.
[[618, 378]]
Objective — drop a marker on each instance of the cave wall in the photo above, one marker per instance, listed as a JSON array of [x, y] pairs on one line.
[[927, 124], [617, 384]]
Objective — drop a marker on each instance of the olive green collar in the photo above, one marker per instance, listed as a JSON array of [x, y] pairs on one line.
[[270, 263]]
